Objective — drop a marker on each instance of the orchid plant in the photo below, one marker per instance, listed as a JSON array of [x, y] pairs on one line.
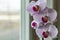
[[44, 18]]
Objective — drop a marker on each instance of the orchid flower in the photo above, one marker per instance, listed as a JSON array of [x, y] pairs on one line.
[[49, 32], [34, 24], [34, 7], [44, 18]]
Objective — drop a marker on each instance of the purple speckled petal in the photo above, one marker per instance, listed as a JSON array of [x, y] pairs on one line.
[[42, 4], [34, 24], [38, 17], [30, 8], [39, 32], [42, 1], [53, 31], [52, 14]]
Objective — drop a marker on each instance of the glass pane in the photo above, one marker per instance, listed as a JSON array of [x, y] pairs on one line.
[[9, 19], [9, 27], [9, 5], [14, 5], [3, 5]]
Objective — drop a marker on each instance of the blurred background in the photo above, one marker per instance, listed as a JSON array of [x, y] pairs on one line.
[[9, 19]]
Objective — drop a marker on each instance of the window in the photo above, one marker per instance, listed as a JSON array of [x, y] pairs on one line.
[[9, 5], [9, 19]]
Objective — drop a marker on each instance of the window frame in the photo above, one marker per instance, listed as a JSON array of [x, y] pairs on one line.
[[24, 28]]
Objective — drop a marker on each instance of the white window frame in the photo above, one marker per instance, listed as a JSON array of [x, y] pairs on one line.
[[24, 28]]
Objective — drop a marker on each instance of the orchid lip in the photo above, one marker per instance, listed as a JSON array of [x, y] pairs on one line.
[[45, 19], [45, 34], [34, 24], [35, 8]]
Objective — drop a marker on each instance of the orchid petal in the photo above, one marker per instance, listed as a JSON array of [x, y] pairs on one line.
[[38, 17], [42, 4], [52, 14], [53, 31], [39, 32], [42, 1]]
